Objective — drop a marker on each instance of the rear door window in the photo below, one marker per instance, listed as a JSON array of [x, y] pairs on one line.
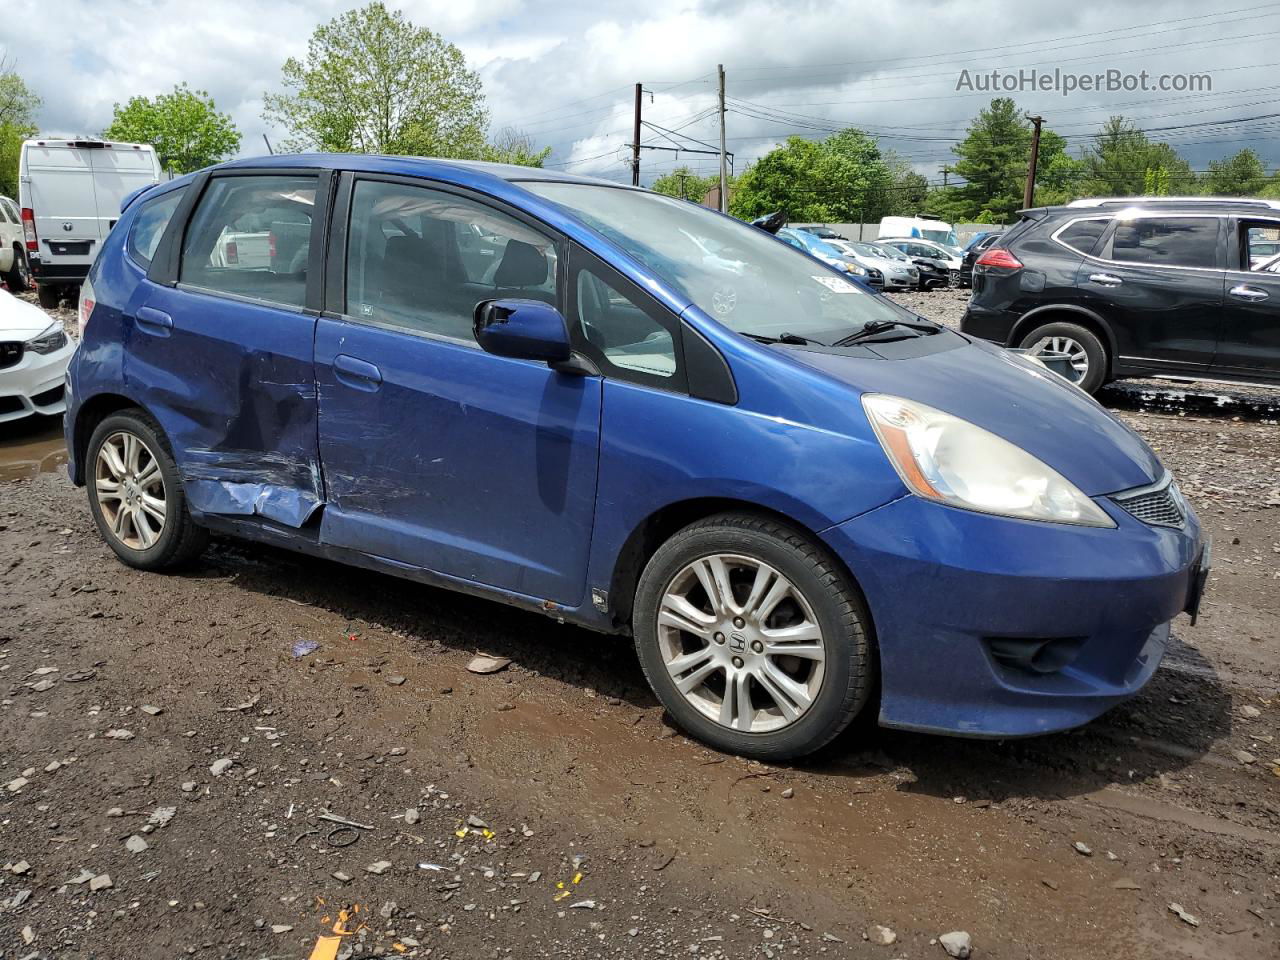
[[149, 226], [1167, 241], [250, 237]]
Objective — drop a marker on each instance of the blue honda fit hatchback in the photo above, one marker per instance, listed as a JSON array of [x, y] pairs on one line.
[[634, 414]]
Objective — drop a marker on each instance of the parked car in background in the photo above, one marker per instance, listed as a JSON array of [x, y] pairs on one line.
[[1269, 266], [34, 352], [822, 232], [920, 227], [1136, 287], [70, 193], [938, 266], [825, 252], [893, 273], [1262, 246], [13, 256], [975, 249], [809, 503]]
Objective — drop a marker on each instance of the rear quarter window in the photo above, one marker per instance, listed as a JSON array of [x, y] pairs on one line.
[[1083, 235], [149, 226]]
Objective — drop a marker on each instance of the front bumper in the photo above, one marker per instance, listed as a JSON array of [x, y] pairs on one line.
[[35, 384], [950, 591]]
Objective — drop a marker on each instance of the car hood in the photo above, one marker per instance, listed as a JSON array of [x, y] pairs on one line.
[[20, 320], [1037, 410]]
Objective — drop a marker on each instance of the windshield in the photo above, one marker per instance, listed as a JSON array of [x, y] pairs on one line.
[[734, 272], [865, 250], [893, 253], [946, 237]]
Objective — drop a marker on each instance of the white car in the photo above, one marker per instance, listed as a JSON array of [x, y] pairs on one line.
[[34, 352], [13, 257], [899, 273]]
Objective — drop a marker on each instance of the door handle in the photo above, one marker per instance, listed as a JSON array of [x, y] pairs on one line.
[[1106, 279], [1244, 292], [356, 373], [153, 321]]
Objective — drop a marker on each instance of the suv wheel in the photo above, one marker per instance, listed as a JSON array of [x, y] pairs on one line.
[[1087, 354], [136, 496], [19, 275], [753, 637]]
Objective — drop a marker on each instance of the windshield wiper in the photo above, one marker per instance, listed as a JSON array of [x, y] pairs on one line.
[[874, 327], [792, 338]]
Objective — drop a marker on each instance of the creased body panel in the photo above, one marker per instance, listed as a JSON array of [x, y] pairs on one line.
[[233, 385]]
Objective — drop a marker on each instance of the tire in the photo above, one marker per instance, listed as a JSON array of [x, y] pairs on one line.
[[1089, 356], [19, 275], [140, 541], [48, 295], [837, 683]]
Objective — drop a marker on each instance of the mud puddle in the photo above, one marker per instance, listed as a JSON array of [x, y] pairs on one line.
[[31, 447]]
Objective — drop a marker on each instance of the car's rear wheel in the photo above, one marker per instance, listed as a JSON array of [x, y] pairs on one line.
[[136, 496], [753, 637], [49, 295], [19, 275], [1087, 355]]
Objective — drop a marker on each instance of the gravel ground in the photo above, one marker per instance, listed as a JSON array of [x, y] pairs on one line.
[[171, 752]]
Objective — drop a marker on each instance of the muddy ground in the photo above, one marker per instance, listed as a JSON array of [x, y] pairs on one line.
[[598, 830]]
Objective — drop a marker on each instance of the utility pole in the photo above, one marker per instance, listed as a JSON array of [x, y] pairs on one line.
[[1029, 194], [724, 163], [945, 171], [635, 141]]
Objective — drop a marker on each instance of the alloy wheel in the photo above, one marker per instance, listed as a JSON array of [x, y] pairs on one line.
[[741, 643], [130, 490], [1074, 350]]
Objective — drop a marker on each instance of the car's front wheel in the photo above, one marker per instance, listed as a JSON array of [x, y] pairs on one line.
[[753, 637], [136, 495], [1084, 351]]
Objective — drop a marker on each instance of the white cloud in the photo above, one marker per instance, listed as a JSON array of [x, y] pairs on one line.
[[564, 72]]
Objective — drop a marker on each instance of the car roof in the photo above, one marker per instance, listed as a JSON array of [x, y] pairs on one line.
[[414, 166], [1110, 206]]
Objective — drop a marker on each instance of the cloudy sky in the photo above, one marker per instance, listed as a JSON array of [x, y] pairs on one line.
[[564, 71]]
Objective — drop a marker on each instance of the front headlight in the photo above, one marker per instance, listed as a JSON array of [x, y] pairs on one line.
[[949, 460], [51, 339]]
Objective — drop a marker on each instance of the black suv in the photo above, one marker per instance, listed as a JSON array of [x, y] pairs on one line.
[[1137, 287]]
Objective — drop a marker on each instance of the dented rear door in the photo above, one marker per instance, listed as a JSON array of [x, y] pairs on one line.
[[226, 353]]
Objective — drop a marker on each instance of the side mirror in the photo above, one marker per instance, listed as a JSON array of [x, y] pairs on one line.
[[524, 329]]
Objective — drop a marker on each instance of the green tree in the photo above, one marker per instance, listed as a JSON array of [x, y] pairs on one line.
[[1240, 175], [18, 106], [514, 146], [683, 183], [1119, 160], [184, 126], [842, 179], [373, 82], [908, 191], [992, 163]]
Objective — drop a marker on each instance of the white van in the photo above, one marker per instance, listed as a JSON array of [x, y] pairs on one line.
[[920, 227], [70, 193]]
